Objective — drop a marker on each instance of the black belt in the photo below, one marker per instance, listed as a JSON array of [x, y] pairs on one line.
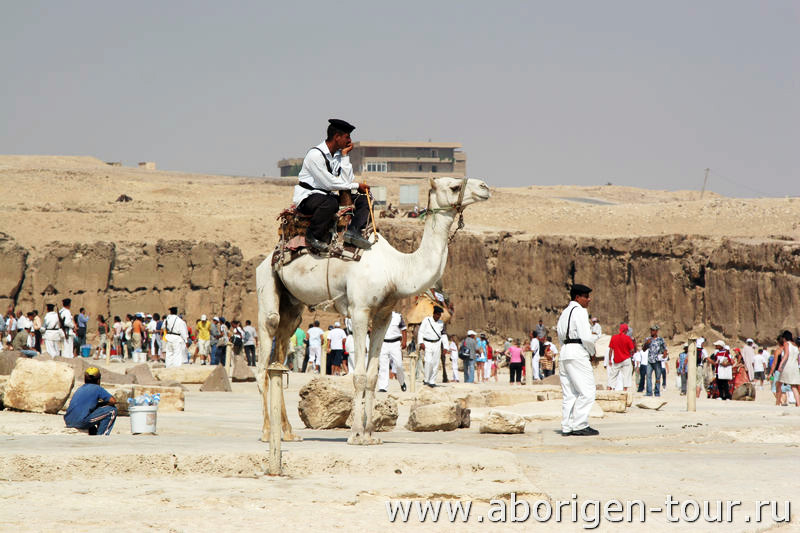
[[305, 185], [53, 329], [431, 340], [573, 341], [393, 340]]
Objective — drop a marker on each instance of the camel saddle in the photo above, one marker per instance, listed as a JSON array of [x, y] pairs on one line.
[[292, 235]]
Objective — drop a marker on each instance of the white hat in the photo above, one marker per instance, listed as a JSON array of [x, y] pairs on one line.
[[336, 325], [727, 348], [749, 341], [216, 318], [510, 339], [719, 343], [203, 317], [595, 319], [470, 332]]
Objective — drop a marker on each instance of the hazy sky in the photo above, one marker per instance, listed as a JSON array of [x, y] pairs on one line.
[[636, 93]]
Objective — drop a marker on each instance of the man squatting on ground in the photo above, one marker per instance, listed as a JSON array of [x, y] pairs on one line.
[[326, 170], [575, 367], [92, 407], [431, 339], [394, 342]]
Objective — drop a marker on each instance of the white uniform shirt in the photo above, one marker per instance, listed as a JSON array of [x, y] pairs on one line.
[[315, 173], [336, 337], [174, 325], [578, 329], [315, 336], [66, 317], [535, 346], [396, 327], [51, 321], [431, 331]]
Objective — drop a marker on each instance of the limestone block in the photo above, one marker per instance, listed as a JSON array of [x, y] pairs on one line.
[[241, 372], [3, 381], [612, 401], [38, 386], [142, 375], [651, 403], [217, 381], [8, 360], [184, 373], [502, 422], [384, 415], [322, 405], [444, 416]]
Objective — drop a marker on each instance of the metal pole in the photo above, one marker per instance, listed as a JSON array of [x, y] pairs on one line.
[[705, 181], [275, 372], [691, 376], [528, 368]]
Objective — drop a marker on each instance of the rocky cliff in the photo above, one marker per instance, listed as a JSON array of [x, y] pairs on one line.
[[499, 282]]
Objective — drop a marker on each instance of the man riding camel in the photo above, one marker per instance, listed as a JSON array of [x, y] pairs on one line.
[[327, 169]]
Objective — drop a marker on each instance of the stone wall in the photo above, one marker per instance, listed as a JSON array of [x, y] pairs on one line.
[[499, 282]]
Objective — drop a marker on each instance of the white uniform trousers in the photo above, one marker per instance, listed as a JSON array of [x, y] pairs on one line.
[[454, 362], [390, 351], [578, 389], [175, 351], [535, 365], [53, 341], [314, 357], [433, 353], [66, 346]]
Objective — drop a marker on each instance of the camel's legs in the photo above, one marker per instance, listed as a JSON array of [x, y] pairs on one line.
[[380, 323], [291, 314], [360, 319]]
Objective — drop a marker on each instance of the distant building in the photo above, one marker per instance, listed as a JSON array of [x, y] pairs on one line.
[[147, 165], [398, 159]]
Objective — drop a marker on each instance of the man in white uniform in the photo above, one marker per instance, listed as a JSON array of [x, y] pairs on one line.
[[53, 335], [575, 367], [314, 347], [394, 342], [326, 170], [431, 339], [535, 357], [748, 354], [176, 336], [68, 325]]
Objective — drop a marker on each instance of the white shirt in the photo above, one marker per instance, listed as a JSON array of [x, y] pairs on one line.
[[535, 346], [432, 331], [22, 322], [597, 329], [174, 325], [725, 372], [578, 329], [453, 350], [315, 173], [553, 349], [396, 327], [336, 337], [315, 336], [151, 326], [759, 363], [250, 335], [66, 317]]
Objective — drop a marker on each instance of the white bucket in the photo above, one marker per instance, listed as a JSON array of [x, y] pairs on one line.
[[143, 418]]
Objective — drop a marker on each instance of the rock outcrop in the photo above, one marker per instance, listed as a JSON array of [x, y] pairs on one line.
[[323, 405], [38, 386], [503, 281]]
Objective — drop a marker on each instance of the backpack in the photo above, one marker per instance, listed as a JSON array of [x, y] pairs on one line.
[[463, 351], [237, 340]]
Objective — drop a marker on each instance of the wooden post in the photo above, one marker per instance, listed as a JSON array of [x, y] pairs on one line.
[[275, 372], [413, 371], [691, 376], [528, 367], [108, 346]]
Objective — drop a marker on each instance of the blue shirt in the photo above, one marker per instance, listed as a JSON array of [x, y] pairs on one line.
[[83, 320], [656, 348], [682, 363], [84, 401], [481, 355]]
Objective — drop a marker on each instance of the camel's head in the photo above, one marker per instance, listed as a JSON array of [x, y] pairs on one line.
[[446, 192]]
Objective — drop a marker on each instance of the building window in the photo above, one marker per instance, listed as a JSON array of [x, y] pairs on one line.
[[377, 167], [433, 168], [420, 168]]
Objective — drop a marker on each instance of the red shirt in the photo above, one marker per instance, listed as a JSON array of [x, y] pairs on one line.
[[623, 347]]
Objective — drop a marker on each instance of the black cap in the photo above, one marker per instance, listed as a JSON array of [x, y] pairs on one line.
[[66, 301], [50, 307], [437, 309], [578, 290], [341, 125], [173, 310]]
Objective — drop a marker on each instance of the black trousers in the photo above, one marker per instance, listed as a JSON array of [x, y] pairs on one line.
[[724, 389], [250, 354], [515, 372], [323, 207]]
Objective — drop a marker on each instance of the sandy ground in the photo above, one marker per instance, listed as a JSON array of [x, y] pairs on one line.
[[205, 470], [72, 199]]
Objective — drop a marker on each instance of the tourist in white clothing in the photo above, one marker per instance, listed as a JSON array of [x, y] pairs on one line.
[[314, 347]]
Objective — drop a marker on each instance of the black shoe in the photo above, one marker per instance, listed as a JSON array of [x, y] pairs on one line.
[[403, 387], [354, 237], [315, 244], [381, 390], [567, 434], [586, 432]]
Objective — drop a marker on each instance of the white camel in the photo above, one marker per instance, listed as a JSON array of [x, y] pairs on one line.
[[365, 290]]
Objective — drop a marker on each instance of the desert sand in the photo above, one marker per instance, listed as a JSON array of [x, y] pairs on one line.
[[205, 469]]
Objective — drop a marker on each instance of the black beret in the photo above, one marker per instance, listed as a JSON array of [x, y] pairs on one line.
[[579, 289], [341, 125], [437, 309], [66, 301], [173, 310]]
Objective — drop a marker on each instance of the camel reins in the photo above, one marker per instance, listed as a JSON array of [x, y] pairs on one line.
[[457, 207]]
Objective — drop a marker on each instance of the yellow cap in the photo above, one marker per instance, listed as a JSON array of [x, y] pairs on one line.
[[92, 371]]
